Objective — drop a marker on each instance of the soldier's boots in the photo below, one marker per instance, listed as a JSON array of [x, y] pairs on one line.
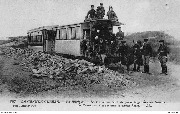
[[138, 68], [127, 67], [146, 69], [164, 70], [134, 69]]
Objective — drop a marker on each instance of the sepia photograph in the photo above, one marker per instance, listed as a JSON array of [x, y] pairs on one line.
[[89, 55]]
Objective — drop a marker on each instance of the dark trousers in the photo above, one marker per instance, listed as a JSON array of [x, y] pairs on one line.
[[163, 61], [137, 63], [146, 64]]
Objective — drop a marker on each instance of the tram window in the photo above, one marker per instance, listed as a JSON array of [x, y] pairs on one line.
[[78, 32], [73, 33], [31, 39], [64, 34], [69, 33], [34, 38], [58, 34], [39, 38]]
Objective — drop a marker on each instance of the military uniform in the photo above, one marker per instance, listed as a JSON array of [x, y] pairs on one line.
[[91, 14], [113, 43], [124, 54], [137, 56], [84, 47], [147, 52], [163, 51], [100, 12], [120, 35], [112, 15]]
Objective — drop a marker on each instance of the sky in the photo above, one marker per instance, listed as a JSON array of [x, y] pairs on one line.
[[19, 16]]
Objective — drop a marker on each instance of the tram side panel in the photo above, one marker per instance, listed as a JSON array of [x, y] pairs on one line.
[[71, 47], [69, 43]]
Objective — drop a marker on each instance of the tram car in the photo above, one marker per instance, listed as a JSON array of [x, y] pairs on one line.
[[42, 38], [87, 39]]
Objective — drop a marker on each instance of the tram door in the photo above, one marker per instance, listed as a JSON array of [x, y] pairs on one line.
[[49, 41], [44, 34], [85, 42]]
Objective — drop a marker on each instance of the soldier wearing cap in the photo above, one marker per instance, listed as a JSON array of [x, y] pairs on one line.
[[124, 53], [120, 34], [163, 52], [147, 52], [100, 11], [91, 13], [111, 14], [112, 41], [137, 56]]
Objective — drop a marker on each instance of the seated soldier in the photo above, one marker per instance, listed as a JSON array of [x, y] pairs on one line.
[[111, 14], [91, 13], [100, 11]]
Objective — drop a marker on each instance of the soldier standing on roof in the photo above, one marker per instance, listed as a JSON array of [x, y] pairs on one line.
[[91, 13], [100, 11], [111, 14], [147, 52], [162, 52]]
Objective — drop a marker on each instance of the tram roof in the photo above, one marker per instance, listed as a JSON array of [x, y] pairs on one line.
[[69, 25], [43, 27], [76, 24]]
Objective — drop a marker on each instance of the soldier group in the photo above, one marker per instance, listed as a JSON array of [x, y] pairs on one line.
[[138, 55], [143, 52], [100, 12]]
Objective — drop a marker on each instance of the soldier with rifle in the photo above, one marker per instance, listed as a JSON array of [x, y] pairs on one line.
[[111, 14], [124, 52], [100, 11], [147, 53], [163, 52], [137, 56]]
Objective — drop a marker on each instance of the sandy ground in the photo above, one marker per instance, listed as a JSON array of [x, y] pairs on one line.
[[147, 95]]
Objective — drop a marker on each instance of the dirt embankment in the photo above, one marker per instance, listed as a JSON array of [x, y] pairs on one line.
[[14, 79], [16, 82], [84, 78]]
